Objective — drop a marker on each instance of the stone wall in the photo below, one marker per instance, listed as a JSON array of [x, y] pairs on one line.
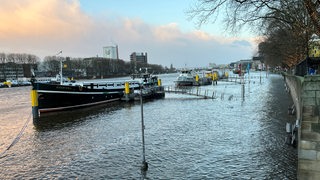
[[305, 93]]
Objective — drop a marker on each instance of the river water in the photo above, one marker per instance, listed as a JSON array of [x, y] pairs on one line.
[[186, 137]]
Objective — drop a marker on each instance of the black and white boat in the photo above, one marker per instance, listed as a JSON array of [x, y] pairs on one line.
[[70, 95], [185, 78]]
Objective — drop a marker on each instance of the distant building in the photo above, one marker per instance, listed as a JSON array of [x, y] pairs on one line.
[[257, 63], [10, 71], [110, 52], [139, 57]]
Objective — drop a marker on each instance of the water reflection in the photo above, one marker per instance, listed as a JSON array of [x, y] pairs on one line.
[[58, 120]]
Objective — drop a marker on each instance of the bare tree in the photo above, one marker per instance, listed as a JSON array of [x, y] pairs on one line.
[[52, 65], [2, 66], [32, 59], [20, 58], [313, 8], [237, 13], [289, 18], [2, 58], [11, 58]]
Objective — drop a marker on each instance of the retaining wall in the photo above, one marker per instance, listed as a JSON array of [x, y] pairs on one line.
[[305, 92]]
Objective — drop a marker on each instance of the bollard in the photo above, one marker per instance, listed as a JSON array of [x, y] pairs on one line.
[[126, 88], [242, 92], [159, 82], [126, 91], [34, 104]]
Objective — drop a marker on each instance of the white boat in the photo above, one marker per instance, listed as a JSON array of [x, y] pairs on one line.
[[186, 78]]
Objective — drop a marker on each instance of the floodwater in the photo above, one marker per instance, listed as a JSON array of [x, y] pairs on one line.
[[186, 137]]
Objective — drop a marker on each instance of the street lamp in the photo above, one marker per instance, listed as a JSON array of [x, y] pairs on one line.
[[60, 67]]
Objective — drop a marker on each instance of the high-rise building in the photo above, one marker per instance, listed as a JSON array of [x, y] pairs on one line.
[[110, 52], [139, 57]]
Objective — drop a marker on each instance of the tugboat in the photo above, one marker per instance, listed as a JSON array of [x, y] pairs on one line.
[[207, 78], [185, 78], [150, 85]]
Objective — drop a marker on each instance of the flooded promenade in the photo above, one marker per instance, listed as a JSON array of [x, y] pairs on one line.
[[186, 137]]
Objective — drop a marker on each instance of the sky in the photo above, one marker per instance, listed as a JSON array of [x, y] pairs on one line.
[[81, 28]]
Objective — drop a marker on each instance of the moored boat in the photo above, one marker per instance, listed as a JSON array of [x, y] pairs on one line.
[[151, 87], [206, 79], [185, 78], [56, 97]]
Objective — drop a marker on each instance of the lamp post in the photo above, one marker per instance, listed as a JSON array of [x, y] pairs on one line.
[[61, 81]]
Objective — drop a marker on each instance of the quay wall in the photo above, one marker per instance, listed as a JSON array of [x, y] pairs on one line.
[[305, 93]]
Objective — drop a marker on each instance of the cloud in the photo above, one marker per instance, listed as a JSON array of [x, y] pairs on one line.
[[44, 18], [45, 27], [243, 43], [27, 25], [167, 33]]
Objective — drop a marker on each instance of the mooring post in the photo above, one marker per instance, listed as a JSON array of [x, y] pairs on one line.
[[260, 75], [243, 88], [197, 79], [126, 91], [34, 104], [249, 81]]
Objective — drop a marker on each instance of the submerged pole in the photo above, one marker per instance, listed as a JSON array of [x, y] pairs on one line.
[[144, 166], [260, 75], [243, 88], [61, 81]]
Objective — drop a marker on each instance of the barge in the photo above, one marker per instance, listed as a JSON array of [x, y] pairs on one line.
[[57, 97]]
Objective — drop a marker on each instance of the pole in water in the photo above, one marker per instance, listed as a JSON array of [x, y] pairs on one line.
[[34, 104], [260, 75], [144, 166], [242, 89]]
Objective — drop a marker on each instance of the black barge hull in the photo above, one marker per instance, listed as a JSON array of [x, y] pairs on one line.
[[55, 97]]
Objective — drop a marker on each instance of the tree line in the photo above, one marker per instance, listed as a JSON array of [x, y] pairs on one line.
[[94, 67], [285, 26], [14, 65], [18, 58]]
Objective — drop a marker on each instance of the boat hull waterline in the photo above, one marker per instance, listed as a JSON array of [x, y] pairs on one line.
[[56, 97]]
